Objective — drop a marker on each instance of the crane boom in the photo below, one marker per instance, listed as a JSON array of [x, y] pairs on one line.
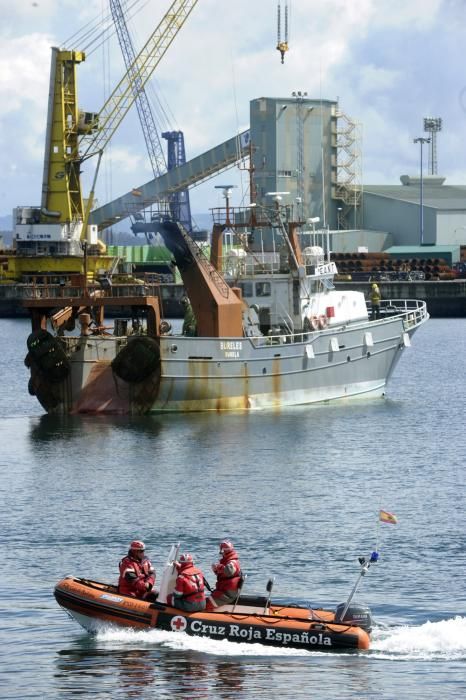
[[149, 128], [72, 136], [117, 105]]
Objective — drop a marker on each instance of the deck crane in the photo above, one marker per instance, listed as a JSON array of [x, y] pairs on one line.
[[146, 117], [178, 201], [282, 46], [59, 225]]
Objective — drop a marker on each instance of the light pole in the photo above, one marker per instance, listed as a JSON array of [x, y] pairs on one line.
[[421, 141], [433, 125]]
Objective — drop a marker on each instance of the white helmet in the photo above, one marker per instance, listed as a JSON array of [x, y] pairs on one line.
[[226, 546], [186, 558]]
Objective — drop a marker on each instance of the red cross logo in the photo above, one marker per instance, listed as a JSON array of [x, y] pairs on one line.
[[178, 624]]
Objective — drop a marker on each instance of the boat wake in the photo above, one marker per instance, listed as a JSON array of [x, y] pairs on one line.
[[184, 642], [432, 640]]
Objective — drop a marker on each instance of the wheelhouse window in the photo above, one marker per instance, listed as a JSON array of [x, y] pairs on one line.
[[263, 289], [247, 288]]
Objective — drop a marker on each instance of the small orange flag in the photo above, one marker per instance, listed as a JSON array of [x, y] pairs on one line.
[[386, 517]]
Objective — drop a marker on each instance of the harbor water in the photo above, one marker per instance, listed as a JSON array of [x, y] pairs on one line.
[[298, 492]]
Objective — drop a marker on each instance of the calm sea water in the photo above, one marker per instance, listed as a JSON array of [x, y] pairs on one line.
[[298, 493]]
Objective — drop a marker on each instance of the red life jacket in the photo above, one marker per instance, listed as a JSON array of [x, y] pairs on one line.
[[190, 584], [228, 572], [134, 576]]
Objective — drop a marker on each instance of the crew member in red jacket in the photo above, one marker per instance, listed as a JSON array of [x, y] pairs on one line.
[[137, 575], [228, 572], [189, 594]]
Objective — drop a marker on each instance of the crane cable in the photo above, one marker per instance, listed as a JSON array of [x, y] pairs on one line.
[[100, 29], [282, 46]]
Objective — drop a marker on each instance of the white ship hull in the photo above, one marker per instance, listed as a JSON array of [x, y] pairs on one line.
[[211, 374]]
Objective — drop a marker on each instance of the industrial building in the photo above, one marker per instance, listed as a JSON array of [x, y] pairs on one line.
[[310, 151], [396, 209]]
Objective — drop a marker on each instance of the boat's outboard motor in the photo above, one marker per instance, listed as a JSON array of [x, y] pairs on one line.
[[357, 614]]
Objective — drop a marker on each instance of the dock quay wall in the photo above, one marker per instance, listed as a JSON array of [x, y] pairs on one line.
[[445, 299], [13, 295]]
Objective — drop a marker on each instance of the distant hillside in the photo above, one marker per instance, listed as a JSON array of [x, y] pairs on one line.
[[122, 235], [5, 223], [203, 220], [6, 232]]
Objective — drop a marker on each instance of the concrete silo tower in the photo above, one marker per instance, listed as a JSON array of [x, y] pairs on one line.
[[298, 148], [292, 139]]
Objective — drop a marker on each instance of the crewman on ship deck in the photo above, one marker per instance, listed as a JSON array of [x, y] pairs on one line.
[[375, 301], [189, 321]]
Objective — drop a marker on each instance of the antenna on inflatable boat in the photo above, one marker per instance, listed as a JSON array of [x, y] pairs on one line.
[[269, 587], [365, 564]]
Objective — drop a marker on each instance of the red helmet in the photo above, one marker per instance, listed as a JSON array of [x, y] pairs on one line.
[[226, 547], [186, 559], [137, 545]]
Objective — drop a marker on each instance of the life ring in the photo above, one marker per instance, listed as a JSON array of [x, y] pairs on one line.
[[322, 320], [314, 323]]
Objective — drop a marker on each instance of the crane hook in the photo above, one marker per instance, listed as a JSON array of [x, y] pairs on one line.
[[282, 46]]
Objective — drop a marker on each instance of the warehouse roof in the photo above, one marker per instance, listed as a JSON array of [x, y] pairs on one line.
[[435, 194], [449, 253]]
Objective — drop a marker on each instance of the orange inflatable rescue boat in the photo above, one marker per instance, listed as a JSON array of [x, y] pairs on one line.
[[251, 619]]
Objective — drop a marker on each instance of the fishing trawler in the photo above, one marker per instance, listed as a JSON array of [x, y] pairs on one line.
[[250, 619], [270, 330]]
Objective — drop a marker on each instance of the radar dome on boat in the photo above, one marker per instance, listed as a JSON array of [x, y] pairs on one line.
[[313, 255], [315, 250], [237, 253]]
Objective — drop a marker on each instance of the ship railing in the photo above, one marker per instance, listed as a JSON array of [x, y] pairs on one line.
[[237, 263], [66, 292], [203, 262], [233, 267], [282, 338], [413, 311], [53, 291]]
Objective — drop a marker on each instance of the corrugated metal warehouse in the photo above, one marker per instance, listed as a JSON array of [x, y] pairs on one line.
[[396, 209]]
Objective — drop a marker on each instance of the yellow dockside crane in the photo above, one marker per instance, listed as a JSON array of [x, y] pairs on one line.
[[59, 226]]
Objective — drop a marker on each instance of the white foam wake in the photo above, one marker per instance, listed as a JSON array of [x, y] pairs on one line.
[[184, 642], [444, 639]]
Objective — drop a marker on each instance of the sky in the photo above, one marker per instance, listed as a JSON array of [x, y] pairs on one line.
[[390, 64]]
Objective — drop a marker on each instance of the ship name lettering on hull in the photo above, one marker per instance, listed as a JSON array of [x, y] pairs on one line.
[[250, 633], [231, 348]]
